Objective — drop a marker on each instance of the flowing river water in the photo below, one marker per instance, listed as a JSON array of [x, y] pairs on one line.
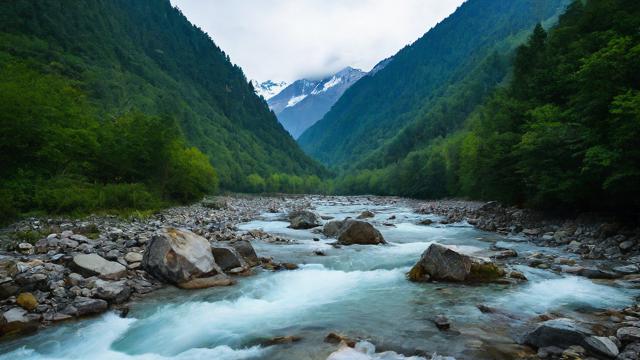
[[359, 291]]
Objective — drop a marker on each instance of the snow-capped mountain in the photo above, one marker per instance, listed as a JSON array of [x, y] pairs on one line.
[[268, 89], [304, 102]]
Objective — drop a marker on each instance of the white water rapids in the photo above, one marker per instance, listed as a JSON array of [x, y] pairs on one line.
[[360, 291]]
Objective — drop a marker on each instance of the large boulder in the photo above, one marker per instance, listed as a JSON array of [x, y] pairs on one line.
[[443, 264], [561, 333], [244, 248], [177, 256], [332, 228], [227, 257], [359, 232], [304, 219], [96, 265]]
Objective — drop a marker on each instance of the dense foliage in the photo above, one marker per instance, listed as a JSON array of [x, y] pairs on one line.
[[145, 55], [411, 86], [104, 99], [564, 132], [55, 155]]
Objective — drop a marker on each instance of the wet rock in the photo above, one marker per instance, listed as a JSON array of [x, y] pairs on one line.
[[112, 291], [630, 352], [27, 301], [505, 254], [558, 332], [547, 351], [359, 232], [627, 269], [425, 222], [244, 248], [280, 340], [442, 322], [627, 245], [226, 256], [207, 282], [82, 306], [17, 321], [332, 228], [594, 273], [518, 275], [628, 334], [304, 219], [178, 256], [602, 346], [95, 265], [335, 338], [366, 215], [443, 264], [319, 252]]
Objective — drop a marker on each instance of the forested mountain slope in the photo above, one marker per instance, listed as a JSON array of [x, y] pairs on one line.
[[103, 101], [562, 134], [377, 107], [145, 55]]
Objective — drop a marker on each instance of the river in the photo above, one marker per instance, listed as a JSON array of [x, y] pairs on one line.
[[359, 291]]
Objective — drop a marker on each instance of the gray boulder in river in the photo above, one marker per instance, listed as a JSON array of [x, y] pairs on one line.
[[332, 228], [354, 232], [304, 219], [227, 257], [178, 256], [443, 264]]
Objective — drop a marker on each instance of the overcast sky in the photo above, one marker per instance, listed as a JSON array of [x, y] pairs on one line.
[[292, 39]]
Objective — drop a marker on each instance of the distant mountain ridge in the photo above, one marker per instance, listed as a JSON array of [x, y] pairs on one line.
[[269, 88], [376, 108], [304, 102]]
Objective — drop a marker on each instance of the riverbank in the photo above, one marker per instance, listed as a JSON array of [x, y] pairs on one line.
[[46, 270]]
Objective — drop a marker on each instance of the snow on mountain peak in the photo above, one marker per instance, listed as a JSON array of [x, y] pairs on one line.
[[269, 88]]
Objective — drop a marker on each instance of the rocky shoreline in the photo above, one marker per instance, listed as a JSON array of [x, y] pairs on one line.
[[54, 270]]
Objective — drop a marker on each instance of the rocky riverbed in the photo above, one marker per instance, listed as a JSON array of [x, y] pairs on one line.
[[54, 271]]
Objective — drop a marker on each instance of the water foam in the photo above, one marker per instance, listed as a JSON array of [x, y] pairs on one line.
[[571, 291], [281, 300], [94, 342]]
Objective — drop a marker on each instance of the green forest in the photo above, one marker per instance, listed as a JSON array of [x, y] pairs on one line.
[[562, 133], [135, 110], [141, 110], [441, 77]]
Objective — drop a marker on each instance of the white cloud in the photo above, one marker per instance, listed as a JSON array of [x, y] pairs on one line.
[[291, 39]]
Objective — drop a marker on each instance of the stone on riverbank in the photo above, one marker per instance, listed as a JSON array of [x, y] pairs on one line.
[[359, 232], [17, 321], [27, 301], [82, 306], [179, 256], [562, 333], [115, 292], [304, 219], [443, 264], [602, 346], [96, 265]]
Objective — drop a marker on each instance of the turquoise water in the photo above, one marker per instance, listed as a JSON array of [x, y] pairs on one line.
[[360, 291]]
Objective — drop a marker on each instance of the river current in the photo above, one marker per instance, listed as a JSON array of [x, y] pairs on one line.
[[359, 291]]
